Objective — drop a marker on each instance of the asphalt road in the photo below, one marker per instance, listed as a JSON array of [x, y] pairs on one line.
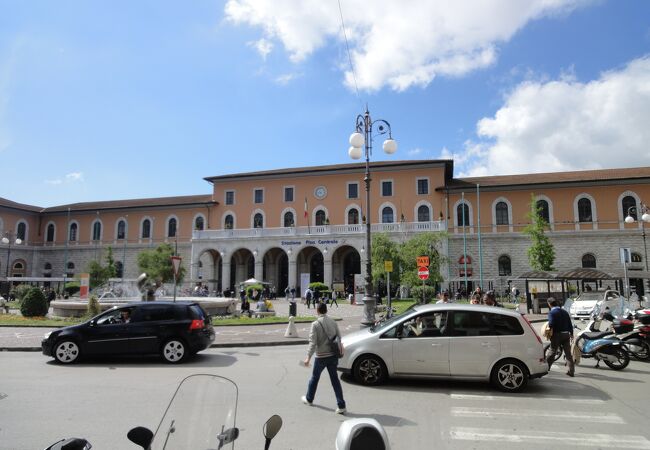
[[41, 402]]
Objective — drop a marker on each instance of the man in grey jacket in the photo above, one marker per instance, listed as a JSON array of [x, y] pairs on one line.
[[322, 330]]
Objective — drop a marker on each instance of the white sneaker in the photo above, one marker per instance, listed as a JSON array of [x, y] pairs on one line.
[[305, 401], [340, 411]]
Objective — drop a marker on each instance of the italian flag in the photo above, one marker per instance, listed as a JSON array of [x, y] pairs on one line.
[[306, 214]]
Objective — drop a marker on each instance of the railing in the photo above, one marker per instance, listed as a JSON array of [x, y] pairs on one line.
[[400, 227]]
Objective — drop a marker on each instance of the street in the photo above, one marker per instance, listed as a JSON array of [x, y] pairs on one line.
[[41, 402]]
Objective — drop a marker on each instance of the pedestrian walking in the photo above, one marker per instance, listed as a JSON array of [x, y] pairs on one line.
[[322, 331], [308, 297], [559, 322], [334, 298]]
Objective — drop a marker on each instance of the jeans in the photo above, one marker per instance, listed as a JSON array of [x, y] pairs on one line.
[[330, 363], [561, 340]]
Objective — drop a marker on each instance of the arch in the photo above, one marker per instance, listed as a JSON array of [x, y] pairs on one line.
[[418, 211], [636, 257], [258, 219], [121, 228], [18, 268], [317, 214], [198, 222], [549, 203], [383, 213], [172, 227], [50, 232], [146, 228], [228, 220], [47, 266], [588, 261], [584, 210], [505, 265], [73, 231], [96, 230], [350, 215], [469, 221], [499, 213], [22, 230], [288, 217], [622, 211]]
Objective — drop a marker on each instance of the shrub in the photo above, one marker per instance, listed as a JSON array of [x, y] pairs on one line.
[[20, 291], [318, 286], [429, 293], [249, 290], [72, 287], [93, 307], [34, 303]]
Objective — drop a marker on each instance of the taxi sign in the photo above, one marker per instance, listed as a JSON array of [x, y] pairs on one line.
[[423, 261]]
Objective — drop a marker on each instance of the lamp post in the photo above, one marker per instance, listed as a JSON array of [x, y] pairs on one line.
[[7, 239], [362, 137], [645, 217]]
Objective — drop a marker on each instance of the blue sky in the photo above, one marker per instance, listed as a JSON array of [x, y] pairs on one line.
[[122, 99]]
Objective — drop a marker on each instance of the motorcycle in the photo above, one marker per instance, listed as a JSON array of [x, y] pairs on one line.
[[602, 345], [202, 412]]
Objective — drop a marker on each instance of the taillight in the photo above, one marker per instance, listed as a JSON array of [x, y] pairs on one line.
[[197, 324], [539, 339]]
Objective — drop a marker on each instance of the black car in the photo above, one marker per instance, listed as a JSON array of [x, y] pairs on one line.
[[172, 329]]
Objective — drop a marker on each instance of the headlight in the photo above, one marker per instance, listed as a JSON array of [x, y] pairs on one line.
[[47, 335]]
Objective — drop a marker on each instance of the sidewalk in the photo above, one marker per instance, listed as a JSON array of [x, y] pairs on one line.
[[29, 338]]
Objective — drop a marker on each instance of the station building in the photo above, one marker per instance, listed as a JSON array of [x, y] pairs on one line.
[[280, 225]]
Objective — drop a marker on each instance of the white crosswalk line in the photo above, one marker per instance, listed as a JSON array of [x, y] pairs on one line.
[[593, 417], [551, 438], [578, 400]]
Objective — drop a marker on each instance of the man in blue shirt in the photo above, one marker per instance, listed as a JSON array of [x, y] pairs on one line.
[[560, 322]]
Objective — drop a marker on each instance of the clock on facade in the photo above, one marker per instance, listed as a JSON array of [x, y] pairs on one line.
[[320, 192]]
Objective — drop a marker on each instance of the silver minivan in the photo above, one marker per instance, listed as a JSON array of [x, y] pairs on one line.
[[468, 342]]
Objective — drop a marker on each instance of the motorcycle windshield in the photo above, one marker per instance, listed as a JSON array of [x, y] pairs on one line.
[[201, 415]]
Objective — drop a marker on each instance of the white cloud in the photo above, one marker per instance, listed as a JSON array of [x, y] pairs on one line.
[[287, 78], [415, 152], [262, 46], [567, 125], [69, 178], [396, 43], [54, 182]]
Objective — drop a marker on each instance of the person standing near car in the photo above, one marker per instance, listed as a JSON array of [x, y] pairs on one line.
[[322, 330], [559, 322]]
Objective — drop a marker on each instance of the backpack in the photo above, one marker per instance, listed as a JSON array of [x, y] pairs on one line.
[[334, 343]]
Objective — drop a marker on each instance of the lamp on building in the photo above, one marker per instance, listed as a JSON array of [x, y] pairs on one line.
[[9, 238], [362, 137], [255, 253], [325, 251], [289, 252], [645, 217]]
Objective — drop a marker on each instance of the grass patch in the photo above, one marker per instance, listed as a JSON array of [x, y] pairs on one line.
[[20, 321], [244, 320]]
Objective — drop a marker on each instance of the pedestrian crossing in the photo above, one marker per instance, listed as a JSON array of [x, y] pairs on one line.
[[540, 420]]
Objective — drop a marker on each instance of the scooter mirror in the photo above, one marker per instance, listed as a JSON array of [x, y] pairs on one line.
[[71, 444], [140, 436], [228, 436], [272, 426]]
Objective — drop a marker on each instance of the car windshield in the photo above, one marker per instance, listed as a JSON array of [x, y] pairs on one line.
[[387, 323], [590, 296]]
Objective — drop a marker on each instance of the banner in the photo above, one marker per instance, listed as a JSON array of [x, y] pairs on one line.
[[84, 285]]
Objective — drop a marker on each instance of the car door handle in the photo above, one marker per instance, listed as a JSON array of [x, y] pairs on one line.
[[436, 345], [486, 344]]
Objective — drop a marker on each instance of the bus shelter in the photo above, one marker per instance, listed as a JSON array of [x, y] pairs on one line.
[[540, 286]]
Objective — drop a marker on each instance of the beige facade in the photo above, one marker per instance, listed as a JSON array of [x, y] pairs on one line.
[[278, 225]]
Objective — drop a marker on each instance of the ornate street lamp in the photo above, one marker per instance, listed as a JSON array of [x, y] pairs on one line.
[[645, 217], [362, 137], [7, 239]]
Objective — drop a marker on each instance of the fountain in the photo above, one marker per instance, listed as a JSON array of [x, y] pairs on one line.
[[118, 292]]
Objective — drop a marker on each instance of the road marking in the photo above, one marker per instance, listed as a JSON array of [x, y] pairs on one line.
[[551, 438], [585, 401], [564, 415]]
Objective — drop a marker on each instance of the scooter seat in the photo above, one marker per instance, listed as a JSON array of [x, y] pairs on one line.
[[597, 334]]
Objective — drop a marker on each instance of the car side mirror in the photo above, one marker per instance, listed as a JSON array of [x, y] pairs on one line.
[[140, 436]]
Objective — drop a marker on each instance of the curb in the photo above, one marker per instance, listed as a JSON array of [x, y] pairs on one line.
[[223, 345]]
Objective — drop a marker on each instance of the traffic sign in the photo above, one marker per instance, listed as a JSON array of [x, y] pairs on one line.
[[388, 266], [176, 264], [423, 261], [423, 273]]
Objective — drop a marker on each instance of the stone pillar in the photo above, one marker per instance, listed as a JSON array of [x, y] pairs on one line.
[[225, 276], [327, 272], [259, 269], [292, 280]]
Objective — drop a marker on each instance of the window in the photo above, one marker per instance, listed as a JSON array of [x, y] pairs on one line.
[[48, 266], [503, 325], [288, 194], [156, 313], [70, 266], [501, 210], [353, 216], [320, 217], [119, 269], [423, 186], [171, 227], [21, 232], [230, 197], [259, 195], [387, 215], [505, 266], [629, 207], [543, 211], [471, 323], [97, 231], [588, 261], [425, 325], [50, 233], [462, 215], [146, 229], [635, 258], [424, 214], [198, 223], [288, 219], [258, 221], [584, 210], [72, 235], [353, 190], [386, 188], [121, 229], [229, 222]]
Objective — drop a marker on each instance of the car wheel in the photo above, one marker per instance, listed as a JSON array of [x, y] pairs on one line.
[[622, 360], [66, 351], [370, 370], [509, 375], [174, 351]]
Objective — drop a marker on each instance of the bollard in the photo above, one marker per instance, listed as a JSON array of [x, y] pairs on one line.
[[292, 331]]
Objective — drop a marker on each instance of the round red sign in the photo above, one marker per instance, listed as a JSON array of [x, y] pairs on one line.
[[423, 273]]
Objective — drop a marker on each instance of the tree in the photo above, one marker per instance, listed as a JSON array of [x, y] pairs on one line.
[[384, 249], [157, 264], [541, 254], [100, 274], [425, 244]]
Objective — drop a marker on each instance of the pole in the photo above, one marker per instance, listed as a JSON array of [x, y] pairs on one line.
[[462, 196], [65, 257], [368, 299], [388, 311], [480, 249], [645, 246], [175, 254]]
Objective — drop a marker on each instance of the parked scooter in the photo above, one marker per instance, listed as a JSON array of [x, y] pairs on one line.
[[602, 345], [201, 414]]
